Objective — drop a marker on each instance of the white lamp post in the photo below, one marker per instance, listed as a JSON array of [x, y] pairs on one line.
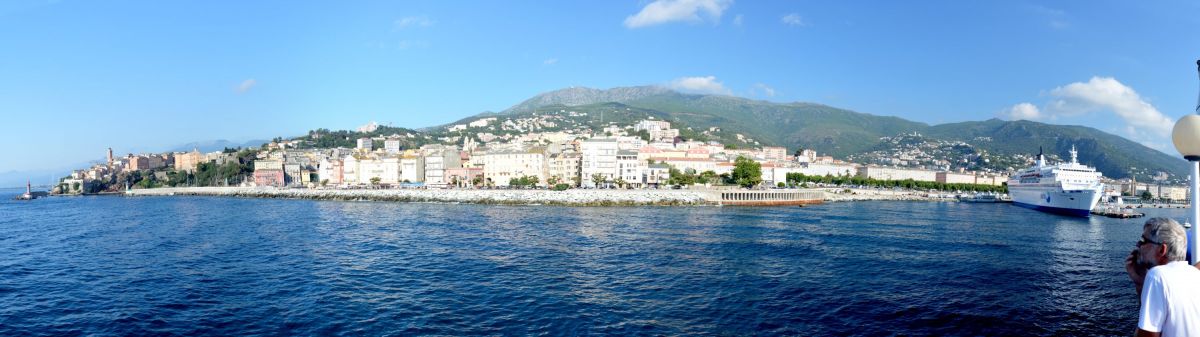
[[1186, 136]]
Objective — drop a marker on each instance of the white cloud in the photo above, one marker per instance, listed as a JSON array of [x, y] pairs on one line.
[[550, 61], [737, 20], [413, 21], [664, 11], [762, 89], [1142, 121], [1106, 94], [245, 86], [700, 85], [793, 19], [1024, 111]]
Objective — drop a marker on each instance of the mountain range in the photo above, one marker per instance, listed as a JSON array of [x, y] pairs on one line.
[[842, 133]]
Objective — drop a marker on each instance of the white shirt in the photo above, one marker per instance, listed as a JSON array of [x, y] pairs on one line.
[[1171, 300]]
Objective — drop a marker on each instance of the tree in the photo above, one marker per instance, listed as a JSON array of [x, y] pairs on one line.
[[620, 182], [552, 180], [598, 178], [1146, 195], [644, 135], [746, 172], [375, 181]]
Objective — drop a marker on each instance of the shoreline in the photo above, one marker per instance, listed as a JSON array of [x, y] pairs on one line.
[[572, 197]]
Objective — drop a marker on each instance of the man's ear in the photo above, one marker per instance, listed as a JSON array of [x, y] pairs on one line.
[[1162, 250]]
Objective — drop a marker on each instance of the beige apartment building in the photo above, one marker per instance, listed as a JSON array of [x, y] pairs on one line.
[[501, 166]]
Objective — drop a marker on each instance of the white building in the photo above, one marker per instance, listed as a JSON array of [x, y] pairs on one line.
[[330, 171], [598, 156], [365, 144], [392, 145], [359, 171], [819, 169], [630, 169], [437, 159], [891, 173], [412, 167]]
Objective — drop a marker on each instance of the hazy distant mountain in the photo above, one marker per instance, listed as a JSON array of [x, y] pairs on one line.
[[841, 132], [215, 145]]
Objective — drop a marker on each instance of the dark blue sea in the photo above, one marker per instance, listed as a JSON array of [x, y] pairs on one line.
[[208, 266]]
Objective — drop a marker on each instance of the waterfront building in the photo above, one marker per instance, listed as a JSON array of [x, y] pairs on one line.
[[463, 176], [412, 167], [955, 178], [599, 156], [564, 166], [657, 174], [439, 158], [365, 144], [350, 170], [829, 169], [329, 171], [630, 169], [292, 174], [387, 169], [269, 173], [891, 173], [501, 166], [187, 161]]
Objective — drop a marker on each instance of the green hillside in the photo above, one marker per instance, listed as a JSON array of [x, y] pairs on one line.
[[842, 133]]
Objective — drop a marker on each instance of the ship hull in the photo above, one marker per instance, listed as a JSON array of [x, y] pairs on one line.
[[1056, 200]]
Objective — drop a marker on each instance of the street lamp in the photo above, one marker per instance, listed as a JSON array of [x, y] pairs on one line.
[[1186, 136]]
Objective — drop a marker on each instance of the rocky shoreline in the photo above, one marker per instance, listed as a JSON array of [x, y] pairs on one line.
[[572, 197]]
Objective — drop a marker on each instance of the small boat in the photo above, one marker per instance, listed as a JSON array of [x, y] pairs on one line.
[[982, 197]]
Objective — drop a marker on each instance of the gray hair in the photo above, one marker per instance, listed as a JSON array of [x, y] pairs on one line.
[[1169, 233]]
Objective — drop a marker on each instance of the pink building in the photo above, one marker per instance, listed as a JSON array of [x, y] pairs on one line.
[[463, 175], [138, 163], [268, 178]]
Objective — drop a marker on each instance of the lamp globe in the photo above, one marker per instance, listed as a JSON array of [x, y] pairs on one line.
[[1186, 136]]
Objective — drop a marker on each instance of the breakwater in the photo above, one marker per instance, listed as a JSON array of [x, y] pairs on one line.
[[574, 197]]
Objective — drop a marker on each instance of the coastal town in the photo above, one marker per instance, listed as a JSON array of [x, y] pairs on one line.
[[519, 153]]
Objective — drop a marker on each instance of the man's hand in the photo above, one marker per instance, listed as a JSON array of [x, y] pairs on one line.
[[1136, 272]]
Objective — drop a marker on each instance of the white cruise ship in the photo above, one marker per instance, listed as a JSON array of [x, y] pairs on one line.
[[1067, 188]]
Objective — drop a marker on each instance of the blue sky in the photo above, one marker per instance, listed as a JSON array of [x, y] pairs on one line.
[[77, 77]]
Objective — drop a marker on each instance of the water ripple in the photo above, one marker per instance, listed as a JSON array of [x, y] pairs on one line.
[[219, 266]]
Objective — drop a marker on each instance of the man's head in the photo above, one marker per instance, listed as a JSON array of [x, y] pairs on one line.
[[1163, 240]]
